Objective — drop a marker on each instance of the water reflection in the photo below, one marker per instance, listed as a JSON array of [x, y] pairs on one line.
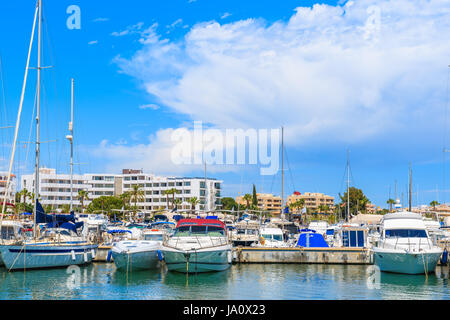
[[245, 281]]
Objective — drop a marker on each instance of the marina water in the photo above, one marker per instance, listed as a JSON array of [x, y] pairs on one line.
[[244, 281]]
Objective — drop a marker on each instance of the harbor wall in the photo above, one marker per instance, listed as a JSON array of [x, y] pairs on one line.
[[303, 255]]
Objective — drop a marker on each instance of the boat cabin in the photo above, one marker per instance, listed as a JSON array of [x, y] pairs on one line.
[[200, 227]]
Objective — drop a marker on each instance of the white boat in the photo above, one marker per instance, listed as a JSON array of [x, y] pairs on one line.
[[198, 245], [318, 226], [245, 234], [271, 238], [139, 254], [405, 245]]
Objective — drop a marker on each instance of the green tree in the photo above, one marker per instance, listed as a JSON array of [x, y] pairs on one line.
[[247, 197], [126, 198], [83, 195], [434, 203], [193, 201], [137, 195], [390, 202], [65, 208], [254, 198], [358, 200], [105, 203], [229, 203]]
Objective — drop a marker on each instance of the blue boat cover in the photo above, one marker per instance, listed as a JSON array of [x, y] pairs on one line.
[[58, 219], [178, 217], [118, 231], [212, 217], [311, 240]]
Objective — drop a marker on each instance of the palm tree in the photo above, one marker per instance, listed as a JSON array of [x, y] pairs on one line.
[[177, 202], [167, 192], [248, 197], [193, 201], [172, 191], [136, 194], [125, 197], [434, 203], [390, 202], [83, 195]]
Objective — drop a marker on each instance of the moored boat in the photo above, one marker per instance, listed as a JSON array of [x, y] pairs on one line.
[[405, 245], [139, 254], [198, 245]]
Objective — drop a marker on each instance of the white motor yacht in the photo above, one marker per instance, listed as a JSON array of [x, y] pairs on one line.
[[198, 245], [140, 254], [405, 245]]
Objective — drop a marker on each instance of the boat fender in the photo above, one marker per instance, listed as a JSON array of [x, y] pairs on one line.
[[85, 257], [160, 255], [93, 253], [73, 254], [108, 257], [444, 257]]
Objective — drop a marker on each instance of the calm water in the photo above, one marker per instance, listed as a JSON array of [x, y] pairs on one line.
[[269, 281]]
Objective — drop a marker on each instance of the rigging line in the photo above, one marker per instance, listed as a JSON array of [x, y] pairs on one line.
[[445, 131], [7, 136], [59, 155], [289, 169], [31, 129]]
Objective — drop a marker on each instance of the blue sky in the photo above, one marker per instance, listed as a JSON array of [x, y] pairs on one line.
[[369, 76]]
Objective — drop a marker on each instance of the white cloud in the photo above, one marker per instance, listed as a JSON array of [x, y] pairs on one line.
[[329, 74], [129, 30], [101, 19], [154, 156], [225, 15], [93, 42], [149, 106]]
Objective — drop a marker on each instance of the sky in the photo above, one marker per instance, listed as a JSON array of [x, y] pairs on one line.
[[367, 76]]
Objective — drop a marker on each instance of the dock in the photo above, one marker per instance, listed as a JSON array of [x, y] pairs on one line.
[[102, 253], [303, 255]]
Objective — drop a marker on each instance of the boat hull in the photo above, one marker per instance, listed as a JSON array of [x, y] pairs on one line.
[[35, 256], [197, 261], [408, 263], [136, 260]]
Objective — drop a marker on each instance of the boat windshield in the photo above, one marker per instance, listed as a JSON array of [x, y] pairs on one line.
[[276, 237], [153, 237], [185, 231], [246, 231], [405, 233]]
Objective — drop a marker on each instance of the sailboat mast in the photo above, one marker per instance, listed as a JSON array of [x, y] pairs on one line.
[[410, 188], [348, 188], [206, 189], [38, 113], [71, 144], [16, 132], [282, 170]]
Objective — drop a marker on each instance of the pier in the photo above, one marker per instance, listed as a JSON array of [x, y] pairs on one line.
[[302, 255]]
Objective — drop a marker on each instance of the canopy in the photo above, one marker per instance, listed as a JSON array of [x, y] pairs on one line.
[[201, 222], [311, 240]]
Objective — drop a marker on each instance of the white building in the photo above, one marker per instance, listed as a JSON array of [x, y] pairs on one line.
[[54, 188], [12, 187]]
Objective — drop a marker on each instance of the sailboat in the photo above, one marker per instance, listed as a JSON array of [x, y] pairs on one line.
[[61, 246]]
